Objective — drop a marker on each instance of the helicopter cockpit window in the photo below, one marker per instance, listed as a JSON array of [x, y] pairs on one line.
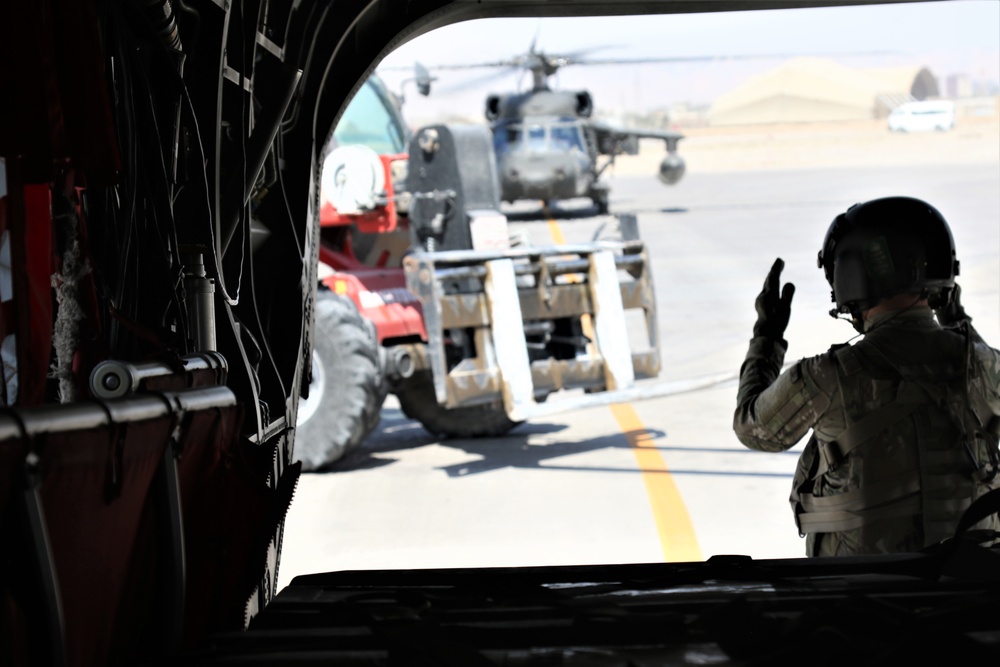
[[536, 138], [369, 120], [566, 137], [506, 139]]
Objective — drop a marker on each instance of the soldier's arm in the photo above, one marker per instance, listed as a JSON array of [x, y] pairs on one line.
[[775, 410], [989, 361], [952, 315]]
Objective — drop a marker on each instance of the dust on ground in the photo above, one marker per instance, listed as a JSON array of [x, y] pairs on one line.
[[815, 145]]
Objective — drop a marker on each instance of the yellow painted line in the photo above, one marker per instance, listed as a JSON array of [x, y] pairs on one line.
[[559, 239], [556, 232], [673, 523]]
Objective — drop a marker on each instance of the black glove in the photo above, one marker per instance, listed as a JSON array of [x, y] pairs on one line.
[[774, 309], [951, 313]]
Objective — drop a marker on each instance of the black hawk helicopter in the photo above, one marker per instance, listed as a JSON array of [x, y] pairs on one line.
[[547, 144]]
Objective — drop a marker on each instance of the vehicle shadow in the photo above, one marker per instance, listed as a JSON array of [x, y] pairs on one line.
[[515, 450], [512, 450], [396, 432]]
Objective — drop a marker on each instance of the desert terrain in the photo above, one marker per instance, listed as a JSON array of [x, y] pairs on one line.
[[808, 145]]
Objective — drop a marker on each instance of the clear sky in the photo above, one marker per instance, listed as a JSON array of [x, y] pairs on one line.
[[960, 36]]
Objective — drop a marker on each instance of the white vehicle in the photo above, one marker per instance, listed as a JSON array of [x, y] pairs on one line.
[[923, 116]]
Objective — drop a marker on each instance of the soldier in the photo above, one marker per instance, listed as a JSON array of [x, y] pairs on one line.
[[905, 422]]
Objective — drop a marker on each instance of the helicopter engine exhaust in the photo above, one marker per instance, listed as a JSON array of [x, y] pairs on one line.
[[671, 169], [493, 107], [584, 104]]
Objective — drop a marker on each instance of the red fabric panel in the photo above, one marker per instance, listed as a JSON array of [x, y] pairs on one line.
[[106, 547], [94, 534], [222, 504], [138, 622], [230, 515], [14, 647]]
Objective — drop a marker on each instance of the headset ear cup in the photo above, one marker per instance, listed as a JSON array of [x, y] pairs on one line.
[[941, 299]]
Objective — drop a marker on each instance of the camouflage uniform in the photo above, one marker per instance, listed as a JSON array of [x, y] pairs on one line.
[[900, 479]]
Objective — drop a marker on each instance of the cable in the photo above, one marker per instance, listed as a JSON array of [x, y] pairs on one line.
[[284, 194], [156, 43], [170, 247], [151, 190], [294, 116], [208, 198], [264, 338]]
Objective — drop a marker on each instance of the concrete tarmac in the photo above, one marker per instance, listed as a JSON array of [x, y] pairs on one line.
[[662, 479]]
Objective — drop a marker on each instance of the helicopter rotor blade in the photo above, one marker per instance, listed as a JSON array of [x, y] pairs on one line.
[[523, 60], [545, 65], [511, 62], [477, 81], [722, 58], [575, 58]]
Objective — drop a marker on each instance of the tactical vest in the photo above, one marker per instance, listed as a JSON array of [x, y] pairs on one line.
[[920, 458]]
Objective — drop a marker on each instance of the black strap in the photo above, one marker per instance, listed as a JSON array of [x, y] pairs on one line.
[[170, 536], [984, 507]]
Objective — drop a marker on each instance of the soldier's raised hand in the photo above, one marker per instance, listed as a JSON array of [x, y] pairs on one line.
[[774, 304]]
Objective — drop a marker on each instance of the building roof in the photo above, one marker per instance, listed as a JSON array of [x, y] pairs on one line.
[[815, 89]]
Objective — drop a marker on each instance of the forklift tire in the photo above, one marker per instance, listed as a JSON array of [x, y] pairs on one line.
[[347, 390], [417, 400]]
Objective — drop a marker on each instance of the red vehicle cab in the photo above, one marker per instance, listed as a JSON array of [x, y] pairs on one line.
[[363, 214]]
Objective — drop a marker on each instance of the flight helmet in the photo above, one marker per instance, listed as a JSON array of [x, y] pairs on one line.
[[884, 247]]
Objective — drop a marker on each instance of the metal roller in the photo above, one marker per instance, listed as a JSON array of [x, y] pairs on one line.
[[115, 379]]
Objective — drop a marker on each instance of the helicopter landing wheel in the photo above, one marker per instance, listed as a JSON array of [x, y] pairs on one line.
[[601, 203]]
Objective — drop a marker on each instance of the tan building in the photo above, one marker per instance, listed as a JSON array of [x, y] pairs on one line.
[[806, 90]]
